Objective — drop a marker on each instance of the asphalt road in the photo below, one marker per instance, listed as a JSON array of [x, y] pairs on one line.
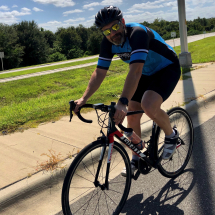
[[193, 192]]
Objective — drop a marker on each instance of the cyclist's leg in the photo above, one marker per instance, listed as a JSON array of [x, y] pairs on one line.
[[162, 85], [151, 104]]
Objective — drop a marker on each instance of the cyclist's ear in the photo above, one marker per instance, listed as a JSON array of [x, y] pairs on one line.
[[123, 21]]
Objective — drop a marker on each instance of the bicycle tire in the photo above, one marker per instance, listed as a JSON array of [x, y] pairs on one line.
[[89, 199], [174, 166]]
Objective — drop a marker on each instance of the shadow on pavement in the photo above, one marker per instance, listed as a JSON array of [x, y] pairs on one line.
[[204, 189], [164, 201]]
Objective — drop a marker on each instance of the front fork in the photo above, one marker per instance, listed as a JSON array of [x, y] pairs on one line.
[[104, 186]]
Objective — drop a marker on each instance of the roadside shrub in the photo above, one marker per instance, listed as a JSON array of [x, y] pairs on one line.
[[57, 56]]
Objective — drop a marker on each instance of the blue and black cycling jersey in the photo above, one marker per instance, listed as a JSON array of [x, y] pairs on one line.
[[143, 45]]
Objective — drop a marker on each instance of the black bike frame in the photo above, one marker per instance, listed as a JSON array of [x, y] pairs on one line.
[[153, 159]]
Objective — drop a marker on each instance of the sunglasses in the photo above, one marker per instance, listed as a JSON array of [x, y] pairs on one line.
[[115, 27]]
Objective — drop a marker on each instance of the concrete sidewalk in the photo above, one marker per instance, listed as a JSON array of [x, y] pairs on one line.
[[21, 152]]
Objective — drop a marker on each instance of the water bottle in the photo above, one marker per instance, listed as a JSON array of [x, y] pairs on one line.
[[133, 137]]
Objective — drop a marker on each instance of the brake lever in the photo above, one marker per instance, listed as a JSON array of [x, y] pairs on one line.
[[72, 107]]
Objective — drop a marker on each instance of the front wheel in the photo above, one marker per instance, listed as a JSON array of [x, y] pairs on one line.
[[79, 193], [174, 166]]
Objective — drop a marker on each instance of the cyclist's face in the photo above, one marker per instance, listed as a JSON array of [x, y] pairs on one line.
[[115, 37]]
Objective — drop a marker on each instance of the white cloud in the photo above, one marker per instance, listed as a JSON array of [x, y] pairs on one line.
[[4, 7], [72, 11], [150, 17], [91, 5], [147, 6], [199, 11], [57, 3], [51, 25], [25, 10], [37, 9], [14, 5], [192, 12], [91, 8], [166, 9], [54, 22], [111, 2], [74, 20], [198, 2], [103, 3], [12, 16], [54, 25], [133, 11], [171, 4]]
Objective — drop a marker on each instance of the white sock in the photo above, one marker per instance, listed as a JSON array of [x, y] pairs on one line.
[[171, 135]]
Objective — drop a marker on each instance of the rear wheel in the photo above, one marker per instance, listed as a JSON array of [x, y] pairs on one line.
[[174, 166], [81, 196]]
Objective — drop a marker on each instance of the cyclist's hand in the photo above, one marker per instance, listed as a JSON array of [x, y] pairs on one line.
[[120, 113], [80, 102]]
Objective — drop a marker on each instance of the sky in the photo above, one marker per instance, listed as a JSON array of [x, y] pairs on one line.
[[52, 14]]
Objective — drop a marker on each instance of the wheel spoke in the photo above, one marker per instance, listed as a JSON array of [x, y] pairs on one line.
[[89, 199]]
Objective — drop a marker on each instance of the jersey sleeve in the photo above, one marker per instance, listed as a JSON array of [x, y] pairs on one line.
[[139, 42], [106, 54]]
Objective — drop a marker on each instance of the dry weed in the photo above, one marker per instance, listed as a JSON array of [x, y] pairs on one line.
[[54, 162]]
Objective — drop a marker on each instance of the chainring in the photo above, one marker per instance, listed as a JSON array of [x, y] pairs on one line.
[[143, 167]]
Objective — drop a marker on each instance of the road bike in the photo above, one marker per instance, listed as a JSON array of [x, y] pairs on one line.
[[93, 183]]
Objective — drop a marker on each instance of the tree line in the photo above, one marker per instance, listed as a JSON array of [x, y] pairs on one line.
[[26, 44]]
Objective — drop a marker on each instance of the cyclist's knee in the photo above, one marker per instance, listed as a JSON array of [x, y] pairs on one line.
[[150, 110]]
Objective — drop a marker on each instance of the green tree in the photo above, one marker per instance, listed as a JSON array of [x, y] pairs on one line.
[[13, 52], [36, 48], [83, 33], [94, 40], [68, 39], [50, 37]]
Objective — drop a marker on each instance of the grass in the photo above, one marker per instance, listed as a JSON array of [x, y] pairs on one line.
[[13, 74], [28, 102], [202, 51]]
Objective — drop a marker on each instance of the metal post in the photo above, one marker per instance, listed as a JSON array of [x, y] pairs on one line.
[[2, 64], [185, 56], [182, 25]]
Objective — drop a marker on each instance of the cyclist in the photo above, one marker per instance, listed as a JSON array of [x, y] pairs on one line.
[[154, 71]]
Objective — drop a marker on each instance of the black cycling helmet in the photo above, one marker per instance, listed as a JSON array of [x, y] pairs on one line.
[[107, 15]]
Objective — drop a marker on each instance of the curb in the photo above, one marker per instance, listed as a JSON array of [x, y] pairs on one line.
[[40, 181], [197, 103]]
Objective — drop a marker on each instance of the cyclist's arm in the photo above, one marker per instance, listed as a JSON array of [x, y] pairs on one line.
[[94, 83]]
